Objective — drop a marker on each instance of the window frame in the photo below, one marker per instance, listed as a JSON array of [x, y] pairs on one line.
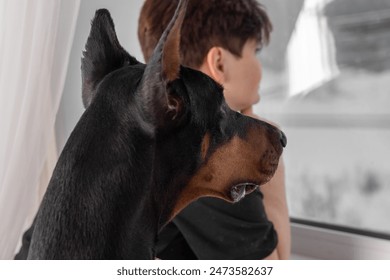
[[313, 240]]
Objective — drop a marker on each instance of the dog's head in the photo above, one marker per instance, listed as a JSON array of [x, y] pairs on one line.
[[200, 146]]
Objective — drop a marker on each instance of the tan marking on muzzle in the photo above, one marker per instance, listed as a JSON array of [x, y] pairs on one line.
[[253, 159]]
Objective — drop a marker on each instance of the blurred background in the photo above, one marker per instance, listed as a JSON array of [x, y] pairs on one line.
[[327, 83]]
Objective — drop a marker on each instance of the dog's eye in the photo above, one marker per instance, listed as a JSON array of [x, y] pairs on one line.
[[224, 110]]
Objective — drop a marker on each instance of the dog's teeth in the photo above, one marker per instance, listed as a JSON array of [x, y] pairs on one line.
[[238, 192]]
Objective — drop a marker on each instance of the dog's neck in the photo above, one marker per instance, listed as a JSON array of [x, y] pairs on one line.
[[172, 173], [99, 203]]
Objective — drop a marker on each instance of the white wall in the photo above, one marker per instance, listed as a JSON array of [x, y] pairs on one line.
[[125, 15]]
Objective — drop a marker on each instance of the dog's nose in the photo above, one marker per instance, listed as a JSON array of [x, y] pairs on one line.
[[283, 139]]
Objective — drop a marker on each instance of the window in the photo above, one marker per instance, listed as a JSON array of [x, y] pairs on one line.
[[326, 82]]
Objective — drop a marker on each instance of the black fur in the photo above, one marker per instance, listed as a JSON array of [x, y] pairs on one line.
[[126, 163]]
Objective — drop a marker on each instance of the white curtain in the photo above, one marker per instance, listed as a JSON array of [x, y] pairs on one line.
[[35, 42]]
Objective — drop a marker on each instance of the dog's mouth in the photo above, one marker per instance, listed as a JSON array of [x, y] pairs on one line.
[[238, 192]]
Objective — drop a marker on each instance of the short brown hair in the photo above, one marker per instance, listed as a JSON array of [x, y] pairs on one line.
[[225, 23]]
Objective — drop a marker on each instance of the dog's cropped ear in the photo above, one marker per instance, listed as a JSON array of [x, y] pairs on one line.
[[164, 68], [103, 54]]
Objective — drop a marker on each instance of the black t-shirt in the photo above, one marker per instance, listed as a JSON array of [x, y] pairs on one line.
[[210, 228]]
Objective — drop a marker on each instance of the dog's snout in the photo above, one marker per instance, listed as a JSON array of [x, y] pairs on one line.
[[283, 139]]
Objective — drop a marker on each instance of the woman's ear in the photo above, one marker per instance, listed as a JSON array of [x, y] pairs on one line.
[[214, 64]]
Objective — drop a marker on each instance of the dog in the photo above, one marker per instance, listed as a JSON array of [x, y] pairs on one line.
[[153, 138]]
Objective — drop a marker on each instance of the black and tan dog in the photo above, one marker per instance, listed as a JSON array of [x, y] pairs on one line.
[[153, 138]]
